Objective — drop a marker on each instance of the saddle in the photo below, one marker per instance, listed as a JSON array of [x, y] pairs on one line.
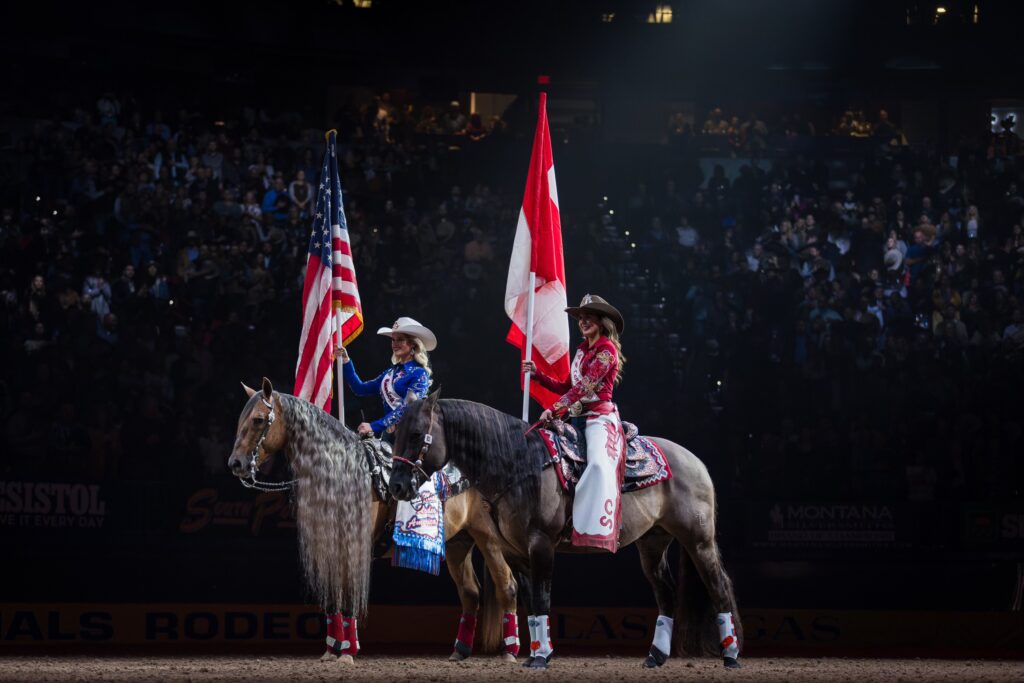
[[378, 460], [646, 464]]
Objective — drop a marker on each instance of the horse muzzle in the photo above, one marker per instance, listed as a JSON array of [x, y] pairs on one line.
[[235, 465], [401, 490]]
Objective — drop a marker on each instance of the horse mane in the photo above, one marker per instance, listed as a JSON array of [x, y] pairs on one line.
[[489, 446], [332, 505]]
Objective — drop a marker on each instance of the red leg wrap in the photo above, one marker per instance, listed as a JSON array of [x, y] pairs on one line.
[[334, 632], [510, 633], [351, 634], [467, 629]]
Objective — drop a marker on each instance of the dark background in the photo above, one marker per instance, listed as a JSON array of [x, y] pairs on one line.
[[909, 432]]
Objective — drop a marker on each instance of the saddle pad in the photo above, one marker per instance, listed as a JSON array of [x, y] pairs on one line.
[[646, 464]]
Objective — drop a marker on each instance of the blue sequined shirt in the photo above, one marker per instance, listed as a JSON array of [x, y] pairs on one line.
[[393, 385]]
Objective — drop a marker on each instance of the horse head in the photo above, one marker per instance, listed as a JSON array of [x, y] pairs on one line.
[[260, 434], [419, 448]]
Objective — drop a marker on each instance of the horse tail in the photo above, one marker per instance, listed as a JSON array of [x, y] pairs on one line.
[[693, 609], [696, 627], [488, 625]]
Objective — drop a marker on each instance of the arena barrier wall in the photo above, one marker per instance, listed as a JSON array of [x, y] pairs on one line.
[[73, 627]]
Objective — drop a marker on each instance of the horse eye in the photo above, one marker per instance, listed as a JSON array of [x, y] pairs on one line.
[[257, 420]]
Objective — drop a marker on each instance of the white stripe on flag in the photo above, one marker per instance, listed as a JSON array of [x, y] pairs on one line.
[[346, 287], [344, 260]]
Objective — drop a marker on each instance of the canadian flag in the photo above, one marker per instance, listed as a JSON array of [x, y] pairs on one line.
[[538, 249]]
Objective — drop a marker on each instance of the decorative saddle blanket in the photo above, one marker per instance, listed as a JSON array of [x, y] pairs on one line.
[[646, 464]]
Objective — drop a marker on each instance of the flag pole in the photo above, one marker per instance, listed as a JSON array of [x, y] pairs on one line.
[[339, 378], [340, 391], [529, 345], [338, 374]]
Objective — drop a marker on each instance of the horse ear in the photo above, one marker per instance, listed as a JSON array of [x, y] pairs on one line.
[[268, 389], [249, 391], [434, 396]]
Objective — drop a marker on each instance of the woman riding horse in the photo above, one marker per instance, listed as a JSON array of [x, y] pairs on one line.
[[410, 374], [587, 398], [410, 371]]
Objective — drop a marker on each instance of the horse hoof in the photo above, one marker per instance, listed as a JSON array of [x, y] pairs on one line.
[[346, 659], [655, 658], [536, 662], [461, 652], [508, 657], [328, 656], [731, 663]]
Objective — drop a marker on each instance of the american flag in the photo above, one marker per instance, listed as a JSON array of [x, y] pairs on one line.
[[330, 296]]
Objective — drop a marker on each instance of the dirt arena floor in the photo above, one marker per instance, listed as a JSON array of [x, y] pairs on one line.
[[588, 669]]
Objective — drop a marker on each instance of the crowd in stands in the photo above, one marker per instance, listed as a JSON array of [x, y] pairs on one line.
[[857, 331], [751, 135], [151, 261], [804, 331]]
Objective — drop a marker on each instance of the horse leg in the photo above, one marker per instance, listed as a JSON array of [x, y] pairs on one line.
[[504, 594], [350, 637], [542, 560], [459, 559], [335, 634], [654, 560], [342, 638], [705, 556]]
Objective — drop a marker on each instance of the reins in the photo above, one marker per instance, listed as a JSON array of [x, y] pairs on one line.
[[428, 439]]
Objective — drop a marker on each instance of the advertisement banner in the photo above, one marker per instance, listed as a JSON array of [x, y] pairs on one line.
[[236, 511], [34, 507], [830, 525], [395, 629], [993, 526]]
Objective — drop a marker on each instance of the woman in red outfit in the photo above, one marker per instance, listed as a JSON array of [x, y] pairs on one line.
[[587, 399]]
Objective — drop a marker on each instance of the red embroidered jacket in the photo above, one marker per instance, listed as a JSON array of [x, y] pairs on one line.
[[591, 379]]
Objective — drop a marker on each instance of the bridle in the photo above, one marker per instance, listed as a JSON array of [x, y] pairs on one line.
[[251, 482], [428, 439]]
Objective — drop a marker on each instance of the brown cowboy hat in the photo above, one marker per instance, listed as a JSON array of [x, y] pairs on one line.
[[595, 304]]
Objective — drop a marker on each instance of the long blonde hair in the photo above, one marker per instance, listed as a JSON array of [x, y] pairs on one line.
[[419, 354], [609, 330]]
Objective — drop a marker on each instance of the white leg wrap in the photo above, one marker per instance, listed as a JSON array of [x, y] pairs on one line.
[[663, 634], [727, 635], [540, 637]]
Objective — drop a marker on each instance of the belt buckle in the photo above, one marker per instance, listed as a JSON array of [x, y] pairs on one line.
[[576, 409]]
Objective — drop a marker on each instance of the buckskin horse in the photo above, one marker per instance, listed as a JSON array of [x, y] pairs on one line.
[[509, 467], [339, 518]]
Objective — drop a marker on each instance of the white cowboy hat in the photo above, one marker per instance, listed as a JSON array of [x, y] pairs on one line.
[[412, 328]]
